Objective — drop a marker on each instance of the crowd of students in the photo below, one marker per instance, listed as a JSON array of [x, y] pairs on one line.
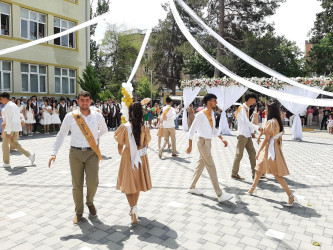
[[41, 114]]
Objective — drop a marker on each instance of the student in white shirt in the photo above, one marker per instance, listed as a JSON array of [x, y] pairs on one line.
[[82, 157], [168, 117], [245, 134], [12, 125], [204, 126]]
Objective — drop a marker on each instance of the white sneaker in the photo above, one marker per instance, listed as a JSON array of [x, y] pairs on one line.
[[194, 191], [5, 165], [224, 197], [32, 158]]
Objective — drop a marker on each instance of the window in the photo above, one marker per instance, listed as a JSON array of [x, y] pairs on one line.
[[146, 70], [5, 19], [66, 40], [33, 78], [5, 76], [33, 24], [65, 81]]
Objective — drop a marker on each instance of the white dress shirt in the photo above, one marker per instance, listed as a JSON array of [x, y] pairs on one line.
[[11, 117], [245, 127], [95, 122], [171, 116], [202, 126]]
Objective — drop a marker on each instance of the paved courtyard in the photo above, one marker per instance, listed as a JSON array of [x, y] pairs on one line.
[[36, 208]]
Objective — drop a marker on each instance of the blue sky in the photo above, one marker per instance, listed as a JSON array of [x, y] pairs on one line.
[[294, 18]]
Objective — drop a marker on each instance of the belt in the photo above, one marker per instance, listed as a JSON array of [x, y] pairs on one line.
[[82, 149]]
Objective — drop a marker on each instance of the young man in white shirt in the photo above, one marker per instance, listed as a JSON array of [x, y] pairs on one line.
[[169, 116], [245, 134], [204, 125], [12, 125], [82, 157]]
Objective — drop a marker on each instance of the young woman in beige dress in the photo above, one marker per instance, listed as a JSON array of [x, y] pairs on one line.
[[190, 117], [134, 173], [270, 157]]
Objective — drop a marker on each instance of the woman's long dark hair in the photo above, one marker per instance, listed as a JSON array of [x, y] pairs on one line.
[[274, 112], [136, 119], [30, 106]]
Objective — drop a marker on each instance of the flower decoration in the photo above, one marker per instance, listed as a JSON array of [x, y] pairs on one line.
[[272, 82], [127, 100]]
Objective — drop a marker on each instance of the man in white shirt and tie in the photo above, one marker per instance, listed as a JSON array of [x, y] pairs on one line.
[[245, 133], [204, 126], [12, 125], [84, 154], [168, 117]]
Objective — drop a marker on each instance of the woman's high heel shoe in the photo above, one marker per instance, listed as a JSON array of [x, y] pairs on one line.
[[291, 204], [134, 215], [254, 192]]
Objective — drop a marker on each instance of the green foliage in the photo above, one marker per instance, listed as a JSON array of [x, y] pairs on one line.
[[321, 56], [144, 88], [275, 52], [104, 95], [324, 22], [116, 58], [102, 7], [90, 82]]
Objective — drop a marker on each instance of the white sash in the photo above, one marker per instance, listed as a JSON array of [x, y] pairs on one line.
[[135, 153], [271, 148]]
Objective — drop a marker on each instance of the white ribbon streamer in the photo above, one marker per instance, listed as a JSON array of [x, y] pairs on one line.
[[268, 92], [271, 148], [52, 37], [138, 59], [135, 153], [246, 57]]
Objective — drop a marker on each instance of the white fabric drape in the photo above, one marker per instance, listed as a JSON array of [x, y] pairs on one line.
[[93, 21], [296, 109], [189, 94], [226, 96], [273, 93], [139, 58], [246, 57]]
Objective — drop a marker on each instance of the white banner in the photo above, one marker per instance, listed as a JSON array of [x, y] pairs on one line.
[[265, 91], [246, 57]]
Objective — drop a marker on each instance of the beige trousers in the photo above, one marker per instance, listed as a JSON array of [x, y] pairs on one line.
[[83, 162], [170, 132], [206, 160], [14, 142], [309, 119], [244, 142]]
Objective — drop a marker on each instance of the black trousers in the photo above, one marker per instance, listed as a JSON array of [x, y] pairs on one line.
[[323, 123]]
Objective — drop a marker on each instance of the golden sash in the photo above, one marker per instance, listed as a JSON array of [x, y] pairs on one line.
[[166, 112], [239, 109], [209, 117], [87, 134]]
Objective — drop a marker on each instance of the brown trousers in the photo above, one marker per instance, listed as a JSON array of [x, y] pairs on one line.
[[83, 162], [244, 142], [206, 160], [14, 142], [170, 132]]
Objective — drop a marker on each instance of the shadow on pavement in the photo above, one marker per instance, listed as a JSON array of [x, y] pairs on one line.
[[117, 234], [18, 170]]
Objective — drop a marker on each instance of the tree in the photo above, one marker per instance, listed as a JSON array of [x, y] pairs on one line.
[[324, 22], [321, 56], [90, 82], [233, 19], [167, 40], [275, 52], [102, 7], [118, 52], [144, 89]]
